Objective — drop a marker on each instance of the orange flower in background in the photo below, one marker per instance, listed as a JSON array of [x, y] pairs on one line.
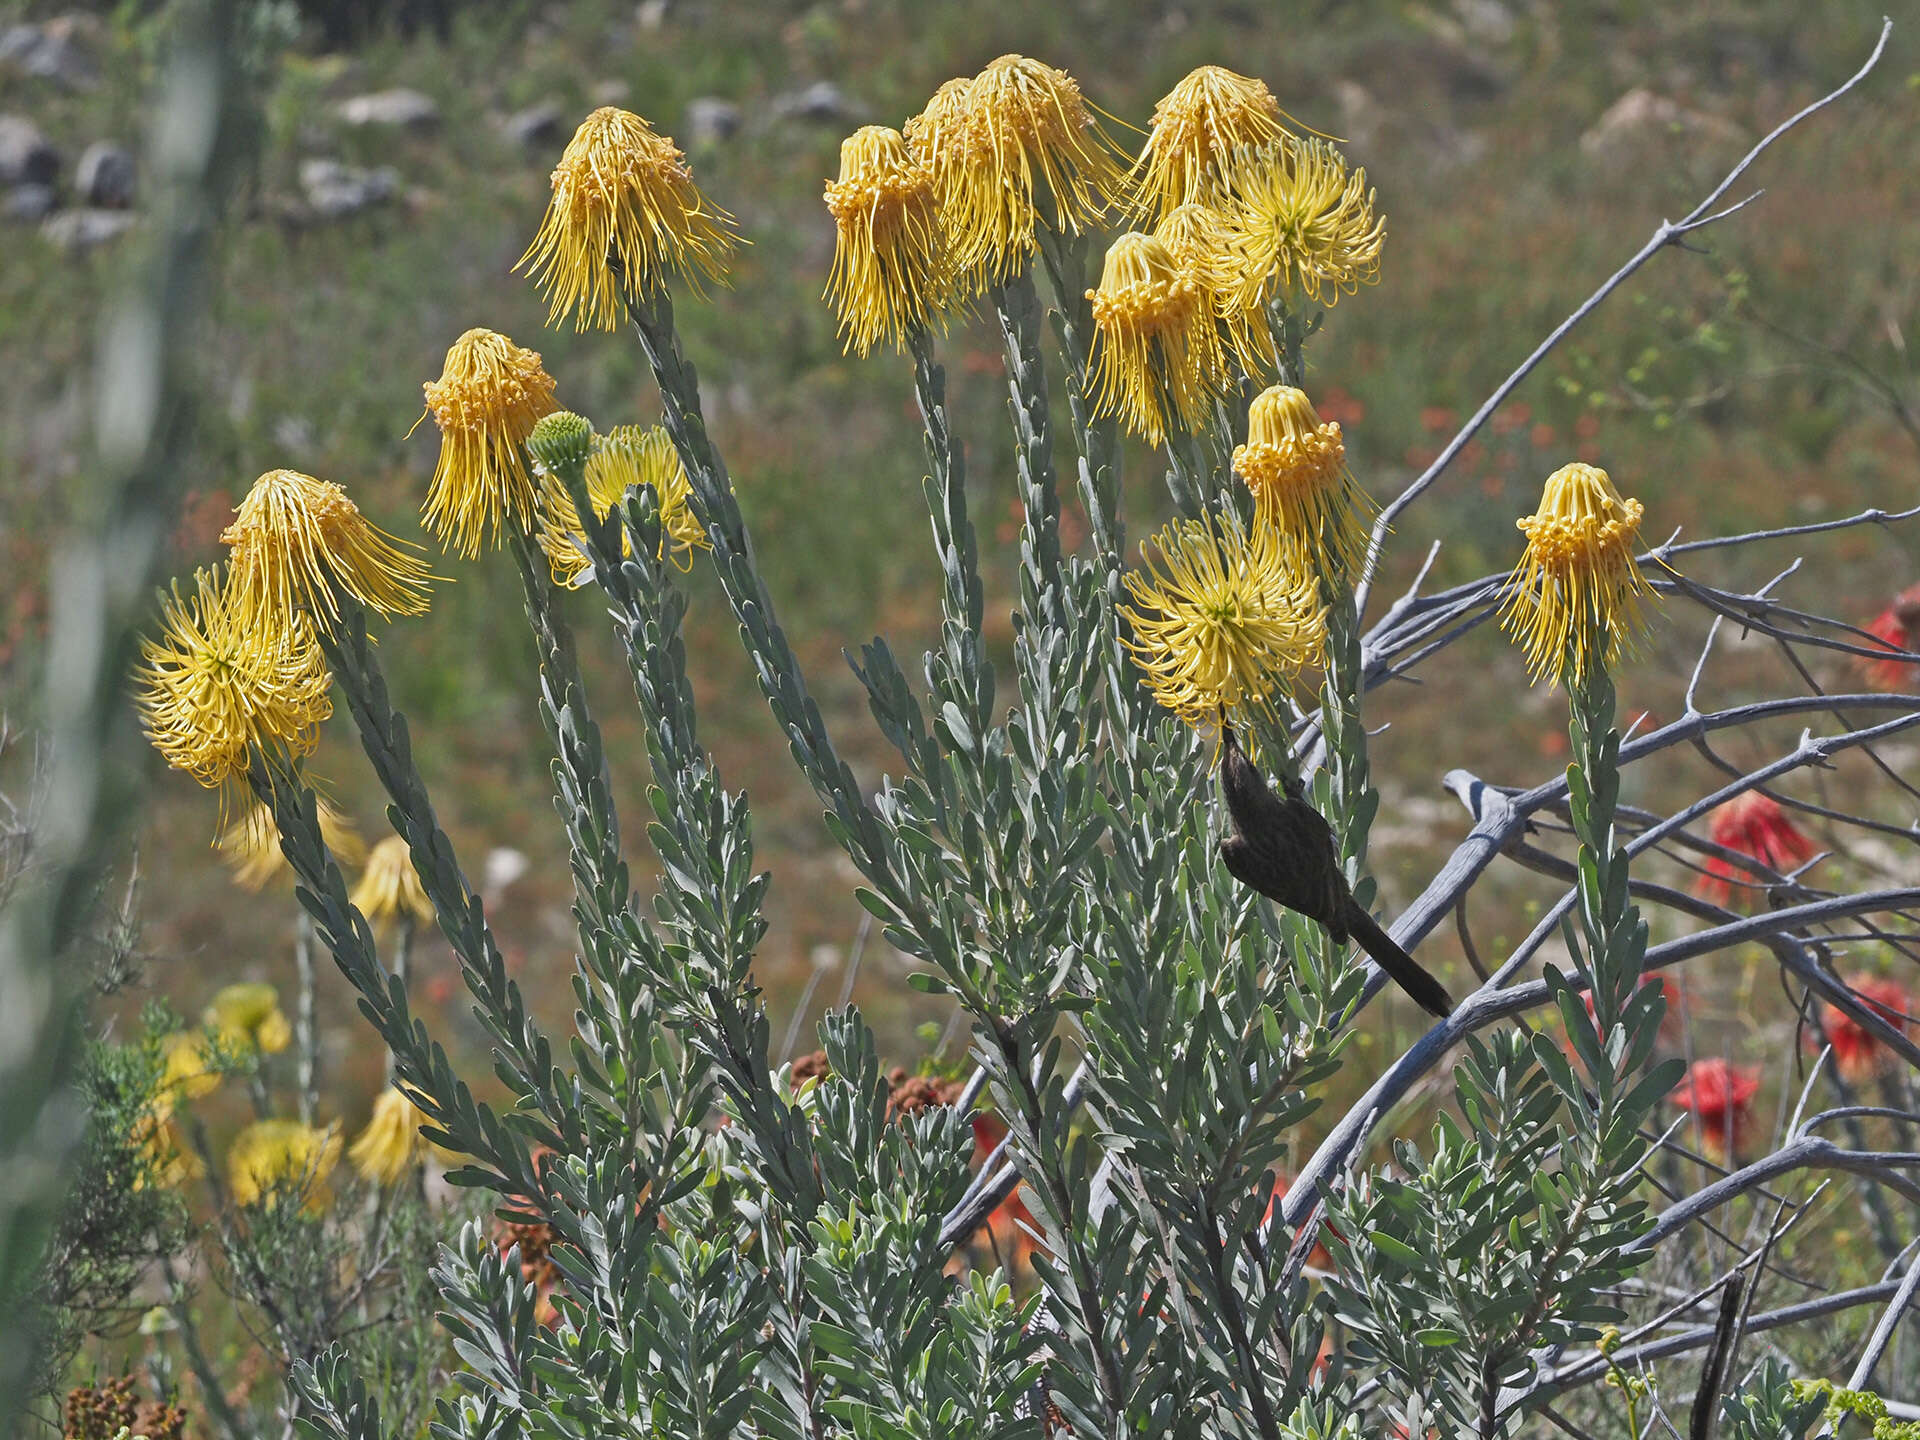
[[1720, 1097], [534, 1240], [1899, 626], [1318, 1258], [1754, 825], [1856, 1051], [1009, 1226]]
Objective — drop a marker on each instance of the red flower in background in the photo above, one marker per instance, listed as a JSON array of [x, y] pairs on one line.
[[1317, 1258], [1010, 1222], [1899, 626], [1720, 1097], [1856, 1051], [1755, 826]]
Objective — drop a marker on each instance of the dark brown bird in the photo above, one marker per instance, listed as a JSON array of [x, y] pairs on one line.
[[1284, 849]]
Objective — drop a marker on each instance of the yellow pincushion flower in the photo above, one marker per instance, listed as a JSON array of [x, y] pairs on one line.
[[1035, 153], [389, 887], [1158, 346], [215, 682], [942, 138], [1577, 599], [168, 1163], [278, 1157], [391, 1145], [624, 210], [1297, 469], [1300, 222], [486, 402], [248, 1015], [628, 455], [189, 1073], [251, 844], [300, 543], [1195, 236], [889, 259], [1195, 130], [1222, 617]]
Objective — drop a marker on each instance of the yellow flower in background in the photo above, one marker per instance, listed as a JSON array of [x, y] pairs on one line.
[[942, 139], [189, 1072], [1196, 127], [1300, 222], [300, 543], [490, 395], [251, 844], [248, 1014], [392, 1144], [624, 210], [167, 1163], [889, 258], [628, 455], [1035, 154], [390, 887], [1577, 599], [1297, 469], [1158, 349], [1223, 617], [284, 1157], [215, 682]]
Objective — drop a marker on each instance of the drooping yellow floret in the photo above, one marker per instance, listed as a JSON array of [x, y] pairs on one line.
[[1300, 223], [251, 844], [1034, 154], [1577, 599], [624, 210], [1158, 356], [389, 887], [890, 270], [247, 1015], [626, 456], [215, 682], [189, 1072], [1195, 130], [1296, 467], [486, 402], [273, 1159], [300, 543], [941, 138], [1223, 617], [391, 1145]]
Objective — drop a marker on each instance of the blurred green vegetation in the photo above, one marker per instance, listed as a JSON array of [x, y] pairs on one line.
[[1689, 386]]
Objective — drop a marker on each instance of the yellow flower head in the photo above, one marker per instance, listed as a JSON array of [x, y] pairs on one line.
[[1297, 469], [1195, 236], [166, 1163], [942, 138], [1158, 346], [189, 1072], [299, 543], [280, 1158], [1034, 154], [628, 455], [1299, 221], [248, 1014], [486, 402], [1223, 617], [1577, 599], [624, 210], [890, 255], [1196, 128], [215, 682], [391, 1145], [390, 887], [251, 844]]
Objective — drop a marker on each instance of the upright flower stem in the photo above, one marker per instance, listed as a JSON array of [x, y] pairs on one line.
[[304, 1039], [1351, 799], [1019, 311], [1065, 258], [525, 1053], [778, 668]]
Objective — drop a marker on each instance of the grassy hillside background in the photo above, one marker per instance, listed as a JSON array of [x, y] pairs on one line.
[[1507, 196]]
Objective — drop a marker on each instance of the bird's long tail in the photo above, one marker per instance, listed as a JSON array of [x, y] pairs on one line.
[[1401, 967]]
